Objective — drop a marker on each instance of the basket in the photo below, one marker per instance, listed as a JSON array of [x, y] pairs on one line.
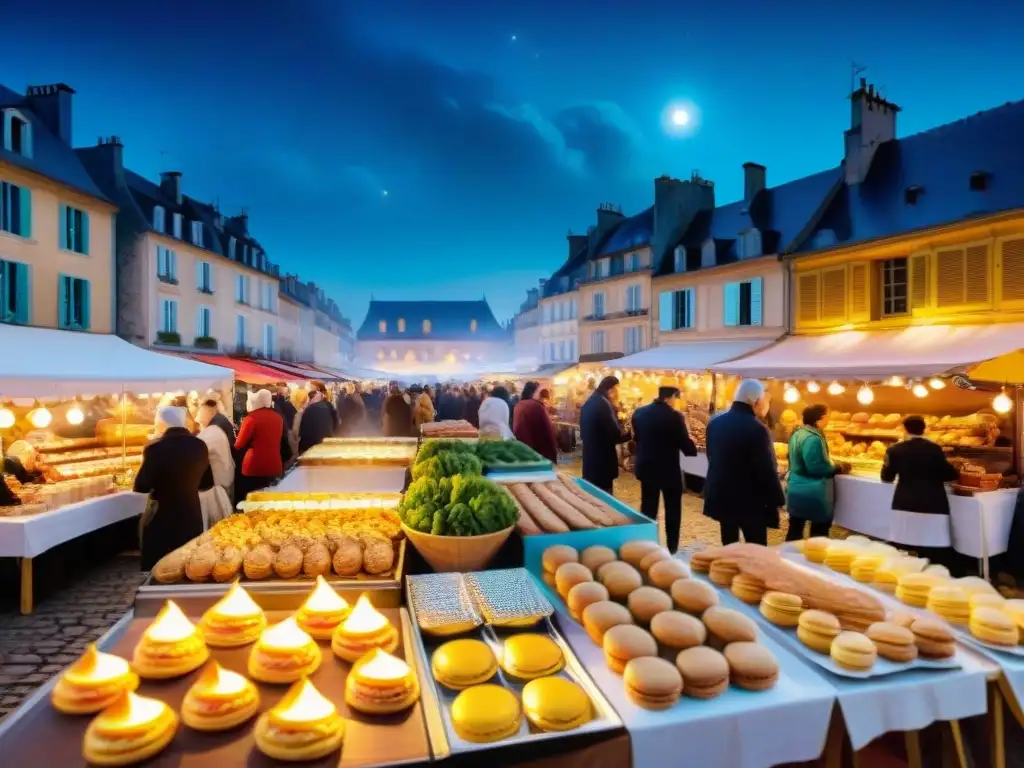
[[457, 553], [980, 481]]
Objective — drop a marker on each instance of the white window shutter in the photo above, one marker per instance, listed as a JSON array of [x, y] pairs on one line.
[[732, 304], [755, 301]]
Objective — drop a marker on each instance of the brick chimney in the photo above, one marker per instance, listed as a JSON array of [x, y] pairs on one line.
[[755, 179], [872, 123], [240, 223], [675, 204], [170, 185], [52, 103]]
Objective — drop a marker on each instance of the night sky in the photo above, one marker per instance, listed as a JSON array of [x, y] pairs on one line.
[[442, 149]]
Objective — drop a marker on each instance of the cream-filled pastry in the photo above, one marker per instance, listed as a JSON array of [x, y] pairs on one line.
[[366, 628], [381, 684], [233, 621], [304, 725], [219, 699], [171, 646], [129, 731], [323, 611], [283, 654], [92, 683]]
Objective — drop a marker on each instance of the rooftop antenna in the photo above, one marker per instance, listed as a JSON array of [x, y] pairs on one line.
[[855, 71]]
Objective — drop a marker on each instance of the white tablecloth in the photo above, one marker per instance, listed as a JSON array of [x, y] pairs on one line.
[[694, 465], [978, 526], [343, 480], [32, 535]]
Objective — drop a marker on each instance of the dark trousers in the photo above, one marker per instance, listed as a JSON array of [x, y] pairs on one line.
[[650, 492], [752, 533], [248, 484], [608, 486], [796, 528]]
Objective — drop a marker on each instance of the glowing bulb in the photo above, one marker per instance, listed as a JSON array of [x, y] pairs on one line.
[[813, 387], [6, 418], [618, 374], [936, 383], [1002, 403], [324, 599], [170, 625], [895, 381], [920, 390], [835, 388], [380, 665], [303, 704], [364, 619], [865, 395], [75, 415], [217, 680], [237, 603], [286, 636], [40, 418], [791, 395], [94, 667]]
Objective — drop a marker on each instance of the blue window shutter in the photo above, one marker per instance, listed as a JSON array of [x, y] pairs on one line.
[[22, 313], [755, 301], [665, 310], [85, 233], [690, 294], [86, 309], [732, 304], [174, 316], [199, 274], [26, 211], [62, 302], [63, 226]]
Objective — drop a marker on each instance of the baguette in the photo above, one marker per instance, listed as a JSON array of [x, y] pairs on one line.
[[595, 514], [572, 516], [538, 512], [617, 517], [524, 523]]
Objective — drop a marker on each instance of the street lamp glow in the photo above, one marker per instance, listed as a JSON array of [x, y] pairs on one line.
[[680, 117]]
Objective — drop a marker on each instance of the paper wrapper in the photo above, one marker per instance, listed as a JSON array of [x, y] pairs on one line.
[[441, 600], [506, 596]]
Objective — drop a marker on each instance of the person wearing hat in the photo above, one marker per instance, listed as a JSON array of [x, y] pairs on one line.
[[175, 468], [661, 435], [260, 437]]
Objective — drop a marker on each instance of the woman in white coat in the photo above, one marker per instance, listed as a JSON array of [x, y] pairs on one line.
[[218, 503]]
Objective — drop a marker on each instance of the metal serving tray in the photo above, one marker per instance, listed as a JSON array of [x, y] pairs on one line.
[[438, 699]]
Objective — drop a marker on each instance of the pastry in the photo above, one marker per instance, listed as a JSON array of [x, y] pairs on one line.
[[986, 600], [288, 561], [258, 562], [228, 566], [365, 628], [303, 725], [131, 730], [723, 572], [675, 631], [171, 646], [751, 666], [633, 552], [749, 589], [864, 566], [951, 603], [853, 651], [584, 594], [556, 704], [938, 570], [913, 588], [381, 684], [645, 602], [726, 626], [596, 556], [569, 575], [992, 626], [652, 683], [693, 596], [527, 656], [378, 555], [700, 562], [901, 618], [232, 621], [626, 642], [171, 567], [283, 654], [817, 630], [893, 642], [975, 585], [781, 609], [322, 611], [348, 556], [598, 618], [620, 579], [933, 639], [558, 555], [705, 672], [816, 548], [219, 699], [92, 683], [839, 557], [460, 664], [664, 573], [317, 561], [486, 713], [658, 555], [200, 564]]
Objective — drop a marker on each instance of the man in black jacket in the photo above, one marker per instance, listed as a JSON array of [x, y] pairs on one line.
[[919, 468], [660, 434], [318, 421], [600, 433]]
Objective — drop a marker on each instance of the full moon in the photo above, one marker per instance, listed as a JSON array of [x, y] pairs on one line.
[[680, 117]]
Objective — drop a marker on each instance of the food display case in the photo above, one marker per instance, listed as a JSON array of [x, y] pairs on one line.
[[360, 452]]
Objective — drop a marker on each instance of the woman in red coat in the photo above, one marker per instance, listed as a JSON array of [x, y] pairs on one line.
[[532, 425], [260, 438]]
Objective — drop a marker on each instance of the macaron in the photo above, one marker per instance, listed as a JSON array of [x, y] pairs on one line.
[[460, 664], [486, 713], [933, 639], [817, 629], [620, 578], [599, 617], [853, 651], [938, 570], [993, 626], [901, 618], [664, 573], [986, 600], [705, 672], [749, 589], [726, 626], [633, 552], [816, 548], [558, 555], [596, 556], [652, 683], [914, 588], [693, 596], [700, 562], [658, 555], [530, 655], [584, 594], [839, 557], [951, 603], [723, 572], [863, 567], [556, 704], [569, 575], [893, 642], [751, 666], [676, 631], [781, 608], [626, 642], [645, 602]]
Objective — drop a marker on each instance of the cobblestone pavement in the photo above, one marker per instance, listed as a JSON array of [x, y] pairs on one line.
[[34, 647]]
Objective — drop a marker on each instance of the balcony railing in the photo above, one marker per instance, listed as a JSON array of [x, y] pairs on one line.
[[616, 315], [208, 290]]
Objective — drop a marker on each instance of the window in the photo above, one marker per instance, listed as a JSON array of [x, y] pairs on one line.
[[240, 331], [268, 340], [168, 316], [558, 311], [708, 254], [894, 286], [633, 265], [676, 310], [551, 352], [266, 296], [679, 259], [204, 322], [572, 309], [547, 313], [743, 303], [177, 225], [401, 325], [426, 327], [634, 339], [561, 350], [166, 265], [159, 216], [598, 305], [74, 230], [472, 326], [15, 209], [204, 277], [634, 298], [73, 303], [16, 133], [572, 349], [14, 293], [597, 342], [197, 233], [382, 326], [750, 244], [231, 249]]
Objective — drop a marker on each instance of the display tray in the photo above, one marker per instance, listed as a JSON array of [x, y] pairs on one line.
[[43, 736], [371, 440], [443, 738], [497, 468]]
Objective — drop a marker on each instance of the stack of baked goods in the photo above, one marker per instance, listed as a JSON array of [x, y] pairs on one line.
[[450, 428], [560, 506], [356, 453]]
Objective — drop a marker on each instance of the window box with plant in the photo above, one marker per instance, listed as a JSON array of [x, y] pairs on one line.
[[171, 338], [206, 289], [205, 342], [167, 279]]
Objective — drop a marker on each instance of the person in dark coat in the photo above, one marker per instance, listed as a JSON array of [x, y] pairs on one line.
[[396, 415], [471, 411], [352, 412], [175, 468], [532, 425], [661, 435], [283, 405], [742, 490], [601, 433], [919, 468], [318, 421]]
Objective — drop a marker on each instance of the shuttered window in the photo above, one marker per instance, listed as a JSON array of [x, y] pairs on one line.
[[807, 299], [860, 292], [918, 281], [833, 294], [1012, 253], [976, 272], [962, 276]]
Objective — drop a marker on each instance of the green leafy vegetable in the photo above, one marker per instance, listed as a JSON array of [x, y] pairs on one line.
[[506, 452], [446, 464], [431, 448], [460, 505]]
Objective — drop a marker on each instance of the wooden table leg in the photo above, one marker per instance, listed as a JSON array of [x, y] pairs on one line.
[[912, 740], [836, 739], [958, 742], [997, 735], [27, 603]]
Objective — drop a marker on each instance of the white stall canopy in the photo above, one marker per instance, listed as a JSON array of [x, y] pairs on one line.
[[689, 356], [985, 352], [44, 363]]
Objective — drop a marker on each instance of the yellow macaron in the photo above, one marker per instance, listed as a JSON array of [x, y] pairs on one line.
[[951, 603], [817, 629], [913, 588], [528, 656], [486, 713], [555, 704], [839, 557], [461, 664], [993, 626], [782, 608], [816, 548], [863, 567], [854, 651]]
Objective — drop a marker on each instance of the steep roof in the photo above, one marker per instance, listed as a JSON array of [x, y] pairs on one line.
[[632, 232], [449, 320]]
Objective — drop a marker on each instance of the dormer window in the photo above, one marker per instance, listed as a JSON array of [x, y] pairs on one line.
[[17, 133], [382, 326], [231, 249], [750, 244], [472, 326], [401, 325], [707, 254], [426, 327], [912, 193], [177, 225], [979, 181], [197, 233], [679, 259], [159, 214]]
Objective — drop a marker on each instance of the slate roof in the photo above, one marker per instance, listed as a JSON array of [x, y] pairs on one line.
[[449, 320], [51, 157], [562, 279], [633, 232]]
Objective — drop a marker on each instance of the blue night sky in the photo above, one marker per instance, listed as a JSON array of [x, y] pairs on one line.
[[494, 127]]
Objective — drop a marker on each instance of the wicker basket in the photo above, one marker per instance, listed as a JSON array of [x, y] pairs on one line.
[[457, 553]]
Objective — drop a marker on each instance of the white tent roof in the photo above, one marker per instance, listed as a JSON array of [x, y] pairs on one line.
[[689, 356], [41, 362]]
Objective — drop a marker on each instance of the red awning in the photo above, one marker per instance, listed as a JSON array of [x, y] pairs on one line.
[[245, 370], [292, 371]]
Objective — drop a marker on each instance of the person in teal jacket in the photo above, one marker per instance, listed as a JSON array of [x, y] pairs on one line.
[[811, 489]]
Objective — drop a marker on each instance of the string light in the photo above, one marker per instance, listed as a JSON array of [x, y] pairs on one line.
[[791, 394], [813, 387], [40, 418], [895, 381], [6, 418], [1002, 403], [835, 388], [865, 395], [936, 383], [75, 415], [920, 390]]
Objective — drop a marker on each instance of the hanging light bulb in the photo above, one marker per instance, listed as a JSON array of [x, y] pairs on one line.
[[6, 418], [895, 381], [936, 383], [835, 388], [813, 387], [920, 390], [865, 395], [75, 415], [791, 394], [1002, 403], [40, 418]]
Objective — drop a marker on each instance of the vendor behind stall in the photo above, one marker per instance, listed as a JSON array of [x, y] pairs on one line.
[[920, 469]]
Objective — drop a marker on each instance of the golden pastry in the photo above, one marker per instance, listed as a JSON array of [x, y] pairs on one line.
[[171, 567], [201, 563], [258, 563], [288, 561], [232, 621], [219, 699], [171, 646], [131, 730], [378, 554], [283, 654], [303, 725], [322, 611], [365, 628], [348, 558], [317, 561], [92, 683], [229, 565], [381, 684]]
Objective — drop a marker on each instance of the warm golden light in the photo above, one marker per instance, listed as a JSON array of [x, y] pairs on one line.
[[218, 681], [920, 390], [285, 636], [303, 704], [237, 603], [364, 619], [40, 418], [6, 418], [1002, 403], [813, 387], [936, 383], [865, 395], [895, 381], [128, 712], [383, 666], [835, 388], [94, 667], [324, 599], [170, 625], [791, 395], [75, 416]]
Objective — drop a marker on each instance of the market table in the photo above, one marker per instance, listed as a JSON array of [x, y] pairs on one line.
[[343, 480], [27, 537]]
